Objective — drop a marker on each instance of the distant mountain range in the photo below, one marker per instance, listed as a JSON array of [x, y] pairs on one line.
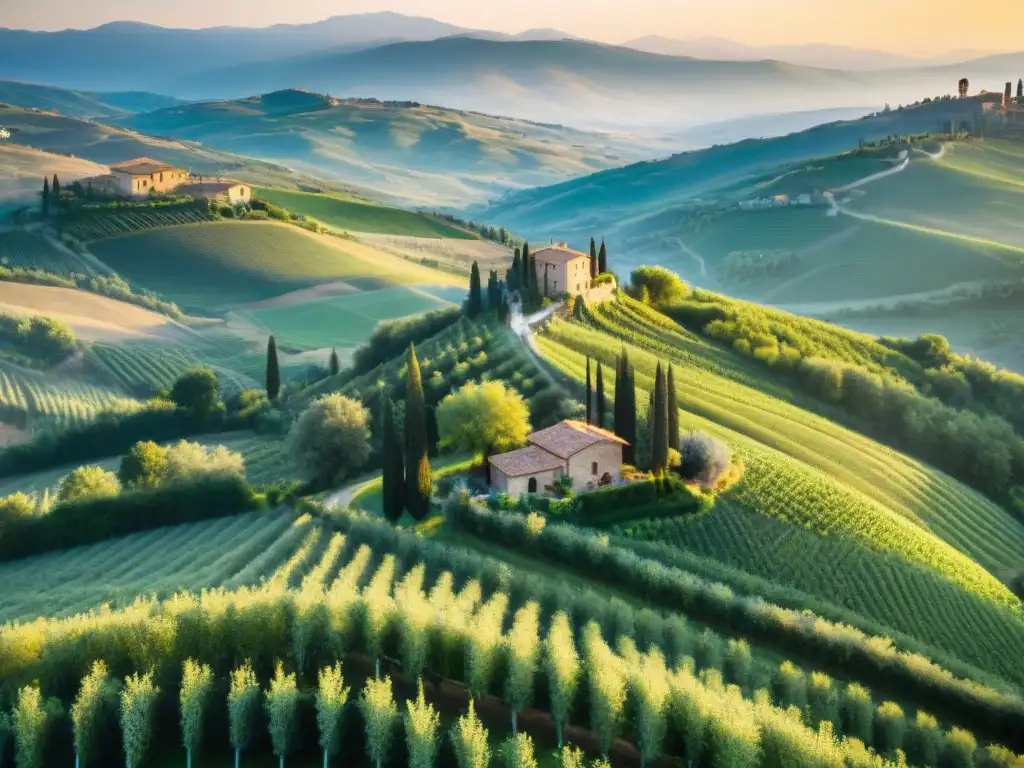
[[820, 55], [542, 75], [100, 106]]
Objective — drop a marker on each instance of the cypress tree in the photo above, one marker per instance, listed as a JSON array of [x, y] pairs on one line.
[[525, 282], [475, 304], [393, 479], [273, 371], [625, 407], [514, 276], [335, 364], [46, 197], [534, 287], [1020, 88], [673, 410], [590, 396], [546, 291], [503, 312], [659, 438], [55, 191], [599, 405], [593, 259], [417, 465], [648, 456], [602, 259]]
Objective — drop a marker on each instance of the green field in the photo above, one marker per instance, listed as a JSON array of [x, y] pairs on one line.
[[30, 250], [804, 470], [343, 321], [356, 216], [194, 556], [220, 265]]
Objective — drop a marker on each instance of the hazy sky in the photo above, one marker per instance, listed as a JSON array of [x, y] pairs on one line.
[[905, 26]]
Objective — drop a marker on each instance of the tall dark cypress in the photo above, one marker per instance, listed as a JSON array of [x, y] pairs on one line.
[[393, 479], [659, 441], [46, 198], [527, 280], [630, 452], [273, 371], [55, 191], [514, 276], [602, 259], [673, 410], [599, 404], [593, 259], [648, 456], [335, 363], [417, 465], [547, 291], [535, 295], [475, 304], [590, 396], [1020, 88]]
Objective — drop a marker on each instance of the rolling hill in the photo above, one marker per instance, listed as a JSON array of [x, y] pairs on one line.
[[399, 151], [81, 104]]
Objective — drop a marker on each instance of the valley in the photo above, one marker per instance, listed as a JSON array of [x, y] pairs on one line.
[[352, 424]]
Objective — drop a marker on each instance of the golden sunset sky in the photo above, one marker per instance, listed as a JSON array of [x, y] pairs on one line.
[[916, 27]]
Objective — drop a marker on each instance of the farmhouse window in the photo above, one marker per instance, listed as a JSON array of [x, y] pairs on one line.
[[593, 468], [531, 487]]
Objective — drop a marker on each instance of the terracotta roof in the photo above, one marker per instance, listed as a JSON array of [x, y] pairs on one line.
[[558, 254], [142, 166], [568, 438], [526, 461]]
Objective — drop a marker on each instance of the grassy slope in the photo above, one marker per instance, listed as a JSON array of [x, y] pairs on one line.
[[805, 470], [340, 212], [224, 264]]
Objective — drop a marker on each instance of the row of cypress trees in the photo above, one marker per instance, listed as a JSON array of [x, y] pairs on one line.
[[273, 375], [51, 194], [662, 415], [596, 404], [475, 302], [406, 472]]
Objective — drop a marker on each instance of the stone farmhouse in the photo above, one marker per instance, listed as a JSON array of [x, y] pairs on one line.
[[567, 271], [591, 456], [139, 177]]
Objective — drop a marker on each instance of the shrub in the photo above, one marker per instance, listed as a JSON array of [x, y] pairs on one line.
[[87, 483], [39, 338], [790, 686], [661, 285], [924, 740], [195, 391], [644, 499], [15, 506], [143, 466], [76, 523], [331, 439], [703, 459], [605, 278], [482, 418], [392, 338], [958, 749], [226, 211], [187, 462], [890, 727], [858, 712]]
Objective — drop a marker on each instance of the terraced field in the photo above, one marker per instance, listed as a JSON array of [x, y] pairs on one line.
[[105, 225], [345, 321], [348, 214], [804, 470], [232, 263], [228, 550], [33, 400], [29, 250]]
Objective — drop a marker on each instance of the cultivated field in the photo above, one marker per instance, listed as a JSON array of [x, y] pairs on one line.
[[22, 170], [344, 321], [344, 213], [456, 255], [92, 317], [31, 250], [105, 225], [228, 264], [237, 550]]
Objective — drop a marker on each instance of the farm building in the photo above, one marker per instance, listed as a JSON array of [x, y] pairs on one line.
[[139, 176], [220, 190], [565, 270], [589, 455]]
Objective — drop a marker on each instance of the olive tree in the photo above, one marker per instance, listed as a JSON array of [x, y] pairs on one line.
[[422, 723], [96, 698], [87, 483], [282, 706], [469, 738], [522, 648], [243, 707], [29, 721], [562, 664], [138, 702], [331, 439], [379, 715]]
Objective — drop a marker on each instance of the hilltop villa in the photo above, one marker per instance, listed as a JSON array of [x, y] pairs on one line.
[[567, 271], [139, 176], [590, 455]]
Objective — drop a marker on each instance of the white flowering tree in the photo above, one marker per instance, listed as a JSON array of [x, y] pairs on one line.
[[196, 685], [94, 696], [379, 715], [522, 648], [243, 708], [422, 723], [331, 698], [138, 701], [469, 737], [562, 664], [282, 705], [29, 721]]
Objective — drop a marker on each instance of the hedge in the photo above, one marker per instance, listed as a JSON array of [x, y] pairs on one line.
[[667, 495], [91, 520]]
